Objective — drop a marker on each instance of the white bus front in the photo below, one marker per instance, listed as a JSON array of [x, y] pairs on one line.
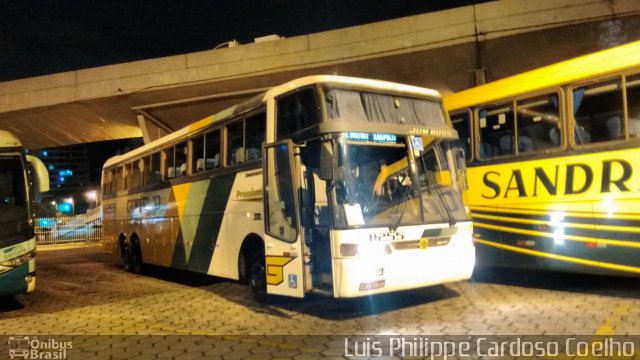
[[398, 217], [363, 192]]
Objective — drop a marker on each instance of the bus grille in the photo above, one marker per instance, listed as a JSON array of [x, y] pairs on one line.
[[415, 244]]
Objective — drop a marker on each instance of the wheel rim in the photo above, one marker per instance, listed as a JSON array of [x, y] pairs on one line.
[[258, 278]]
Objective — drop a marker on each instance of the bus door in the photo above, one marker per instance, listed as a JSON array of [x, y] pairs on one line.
[[284, 243]]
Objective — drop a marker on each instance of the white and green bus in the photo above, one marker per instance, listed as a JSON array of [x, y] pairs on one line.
[[338, 185], [22, 176]]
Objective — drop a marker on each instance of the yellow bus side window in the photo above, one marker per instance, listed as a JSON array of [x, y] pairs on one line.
[[598, 112]]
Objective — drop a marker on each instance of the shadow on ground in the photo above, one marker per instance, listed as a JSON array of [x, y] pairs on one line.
[[627, 287], [10, 303], [320, 306]]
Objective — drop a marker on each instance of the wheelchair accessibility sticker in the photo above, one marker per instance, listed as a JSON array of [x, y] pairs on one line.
[[293, 281]]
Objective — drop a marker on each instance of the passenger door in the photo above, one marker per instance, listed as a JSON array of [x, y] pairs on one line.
[[284, 246]]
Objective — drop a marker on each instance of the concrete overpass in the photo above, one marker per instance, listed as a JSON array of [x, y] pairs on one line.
[[449, 50]]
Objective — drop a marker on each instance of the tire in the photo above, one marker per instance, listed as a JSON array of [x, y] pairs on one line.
[[257, 277], [134, 258], [124, 254]]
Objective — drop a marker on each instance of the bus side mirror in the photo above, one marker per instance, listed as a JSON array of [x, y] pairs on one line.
[[326, 161], [41, 175]]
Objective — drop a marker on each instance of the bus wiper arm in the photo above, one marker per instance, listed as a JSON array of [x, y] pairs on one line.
[[432, 183], [400, 206]]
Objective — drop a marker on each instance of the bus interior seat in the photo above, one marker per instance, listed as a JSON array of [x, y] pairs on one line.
[[182, 170], [506, 144], [525, 143], [488, 150], [200, 165], [634, 127], [171, 172], [582, 136], [213, 163], [554, 136], [253, 154], [239, 156], [614, 126]]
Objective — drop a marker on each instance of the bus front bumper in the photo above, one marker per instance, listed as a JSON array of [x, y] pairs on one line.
[[404, 270], [21, 280]]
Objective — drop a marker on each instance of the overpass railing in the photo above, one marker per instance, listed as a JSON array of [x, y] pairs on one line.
[[83, 228]]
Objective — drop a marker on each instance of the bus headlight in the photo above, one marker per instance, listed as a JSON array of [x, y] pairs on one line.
[[15, 262], [364, 250]]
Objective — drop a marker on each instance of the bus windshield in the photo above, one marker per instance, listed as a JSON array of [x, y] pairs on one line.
[[376, 186], [13, 199]]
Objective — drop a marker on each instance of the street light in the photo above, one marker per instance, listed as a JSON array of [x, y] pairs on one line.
[[93, 197], [70, 201]]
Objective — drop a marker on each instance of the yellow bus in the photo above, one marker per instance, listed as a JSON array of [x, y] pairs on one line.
[[553, 160], [282, 191]]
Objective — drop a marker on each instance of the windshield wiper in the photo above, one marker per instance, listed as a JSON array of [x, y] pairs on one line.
[[400, 206], [432, 183]]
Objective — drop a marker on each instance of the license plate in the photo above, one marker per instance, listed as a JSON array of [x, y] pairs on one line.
[[372, 285]]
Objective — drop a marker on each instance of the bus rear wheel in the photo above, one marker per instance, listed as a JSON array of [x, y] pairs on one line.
[[132, 257], [257, 277]]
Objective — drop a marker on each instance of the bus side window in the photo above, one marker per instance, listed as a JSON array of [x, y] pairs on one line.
[[496, 130], [119, 180], [181, 159], [197, 154], [633, 105], [295, 112], [255, 136], [146, 170], [112, 183], [134, 178], [127, 171], [598, 112], [538, 123], [169, 167], [235, 144], [155, 176], [461, 122], [212, 150]]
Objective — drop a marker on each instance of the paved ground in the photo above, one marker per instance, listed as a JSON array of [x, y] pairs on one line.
[[82, 292]]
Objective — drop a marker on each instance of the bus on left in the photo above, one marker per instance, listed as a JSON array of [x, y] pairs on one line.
[[22, 176]]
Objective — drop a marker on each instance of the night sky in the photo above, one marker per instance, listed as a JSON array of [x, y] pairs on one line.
[[39, 37]]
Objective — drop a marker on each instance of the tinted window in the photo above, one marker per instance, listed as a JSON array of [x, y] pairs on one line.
[[155, 168], [255, 136], [296, 112], [133, 175], [235, 144], [598, 112], [181, 159], [119, 180], [538, 123], [169, 167], [633, 105], [197, 158], [461, 122], [212, 149], [496, 130]]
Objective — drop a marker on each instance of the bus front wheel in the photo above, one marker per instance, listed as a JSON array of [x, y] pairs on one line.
[[257, 277]]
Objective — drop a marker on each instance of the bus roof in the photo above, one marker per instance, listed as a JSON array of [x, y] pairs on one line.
[[8, 140], [260, 100], [597, 64]]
